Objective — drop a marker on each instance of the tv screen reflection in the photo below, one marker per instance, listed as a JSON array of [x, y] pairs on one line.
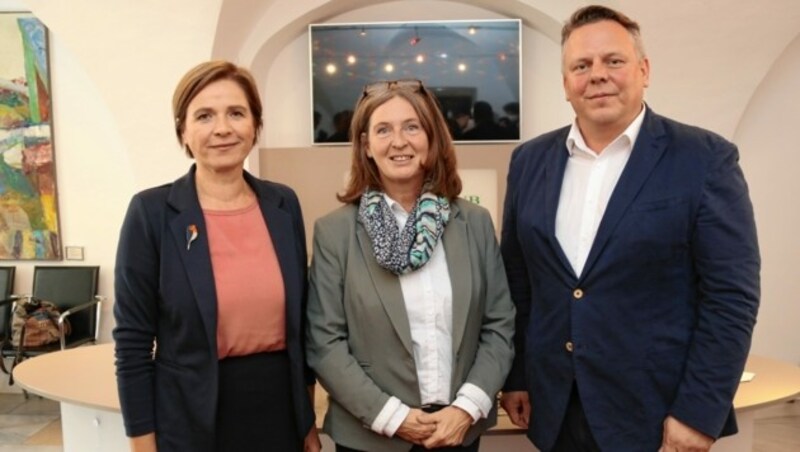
[[473, 68]]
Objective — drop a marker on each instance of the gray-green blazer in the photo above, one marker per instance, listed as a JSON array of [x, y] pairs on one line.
[[359, 339]]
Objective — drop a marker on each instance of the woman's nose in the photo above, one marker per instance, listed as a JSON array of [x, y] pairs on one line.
[[222, 126], [399, 140]]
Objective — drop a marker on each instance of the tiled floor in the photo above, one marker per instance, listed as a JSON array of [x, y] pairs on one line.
[[33, 425]]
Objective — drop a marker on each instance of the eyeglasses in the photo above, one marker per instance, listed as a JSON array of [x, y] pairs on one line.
[[412, 84]]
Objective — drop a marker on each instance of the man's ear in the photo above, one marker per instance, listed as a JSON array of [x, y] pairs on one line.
[[645, 68]]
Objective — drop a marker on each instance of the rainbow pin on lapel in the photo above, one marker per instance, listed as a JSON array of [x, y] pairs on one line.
[[191, 235]]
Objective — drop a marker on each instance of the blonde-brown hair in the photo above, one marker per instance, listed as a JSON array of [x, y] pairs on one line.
[[441, 177], [204, 74]]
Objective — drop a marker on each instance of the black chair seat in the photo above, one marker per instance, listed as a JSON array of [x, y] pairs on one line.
[[6, 289], [73, 289]]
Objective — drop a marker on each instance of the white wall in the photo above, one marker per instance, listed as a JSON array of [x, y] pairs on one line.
[[115, 64], [771, 160]]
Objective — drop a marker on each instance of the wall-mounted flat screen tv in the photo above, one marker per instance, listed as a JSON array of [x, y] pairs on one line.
[[473, 68]]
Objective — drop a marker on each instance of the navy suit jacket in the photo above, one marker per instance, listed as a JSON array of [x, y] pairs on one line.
[[165, 292], [659, 322]]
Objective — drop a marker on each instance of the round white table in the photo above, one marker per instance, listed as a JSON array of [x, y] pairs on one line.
[[83, 380]]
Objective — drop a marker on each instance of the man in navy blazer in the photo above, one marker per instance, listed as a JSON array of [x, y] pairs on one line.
[[631, 252]]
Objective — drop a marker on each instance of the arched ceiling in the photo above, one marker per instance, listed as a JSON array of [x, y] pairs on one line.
[[715, 51]]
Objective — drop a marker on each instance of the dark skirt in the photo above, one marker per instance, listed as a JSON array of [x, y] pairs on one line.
[[254, 409]]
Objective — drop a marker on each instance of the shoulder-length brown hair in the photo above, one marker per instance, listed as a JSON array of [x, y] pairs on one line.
[[441, 177], [204, 74]]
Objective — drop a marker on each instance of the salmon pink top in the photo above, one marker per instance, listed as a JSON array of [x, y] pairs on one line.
[[251, 299]]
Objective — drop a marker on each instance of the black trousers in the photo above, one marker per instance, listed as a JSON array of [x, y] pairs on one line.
[[254, 408], [575, 435]]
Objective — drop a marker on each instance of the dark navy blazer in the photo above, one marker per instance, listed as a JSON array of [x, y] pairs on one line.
[[667, 300], [165, 292]]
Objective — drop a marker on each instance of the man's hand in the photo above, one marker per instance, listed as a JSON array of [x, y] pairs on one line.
[[144, 443], [518, 407], [413, 429], [451, 425], [679, 437]]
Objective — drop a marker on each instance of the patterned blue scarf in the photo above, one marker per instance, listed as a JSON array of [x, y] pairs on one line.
[[404, 251]]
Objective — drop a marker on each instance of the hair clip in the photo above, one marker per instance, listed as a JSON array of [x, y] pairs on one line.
[[191, 235]]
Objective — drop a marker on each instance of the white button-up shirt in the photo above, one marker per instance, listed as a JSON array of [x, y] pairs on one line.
[[589, 180], [428, 297]]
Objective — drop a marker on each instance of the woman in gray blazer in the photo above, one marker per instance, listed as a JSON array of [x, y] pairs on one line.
[[410, 322]]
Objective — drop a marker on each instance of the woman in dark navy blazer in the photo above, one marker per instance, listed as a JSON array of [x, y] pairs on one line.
[[210, 286]]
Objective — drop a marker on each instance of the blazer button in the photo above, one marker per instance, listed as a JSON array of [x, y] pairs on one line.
[[577, 293], [569, 346]]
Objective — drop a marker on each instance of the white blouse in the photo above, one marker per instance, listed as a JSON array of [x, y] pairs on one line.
[[428, 297]]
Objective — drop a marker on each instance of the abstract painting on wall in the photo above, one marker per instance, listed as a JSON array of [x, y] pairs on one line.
[[28, 203]]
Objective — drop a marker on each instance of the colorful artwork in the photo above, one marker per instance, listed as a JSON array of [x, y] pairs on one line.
[[28, 207]]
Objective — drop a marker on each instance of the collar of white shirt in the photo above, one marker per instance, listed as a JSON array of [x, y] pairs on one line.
[[627, 138]]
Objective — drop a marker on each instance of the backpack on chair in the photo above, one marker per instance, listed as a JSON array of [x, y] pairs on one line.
[[34, 323]]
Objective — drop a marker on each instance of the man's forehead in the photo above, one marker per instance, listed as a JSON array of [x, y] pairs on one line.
[[588, 39]]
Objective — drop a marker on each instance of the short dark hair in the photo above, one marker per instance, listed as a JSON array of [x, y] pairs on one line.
[[596, 13], [482, 112], [204, 74], [511, 108]]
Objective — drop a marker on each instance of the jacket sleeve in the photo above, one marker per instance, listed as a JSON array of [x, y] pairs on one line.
[[302, 258], [496, 348], [726, 258], [327, 339], [135, 311]]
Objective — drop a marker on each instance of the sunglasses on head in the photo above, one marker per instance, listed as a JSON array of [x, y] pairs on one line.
[[384, 85]]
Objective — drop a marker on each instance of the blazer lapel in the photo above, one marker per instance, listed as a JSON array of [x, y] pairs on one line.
[[647, 151], [194, 253], [456, 246], [387, 286]]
